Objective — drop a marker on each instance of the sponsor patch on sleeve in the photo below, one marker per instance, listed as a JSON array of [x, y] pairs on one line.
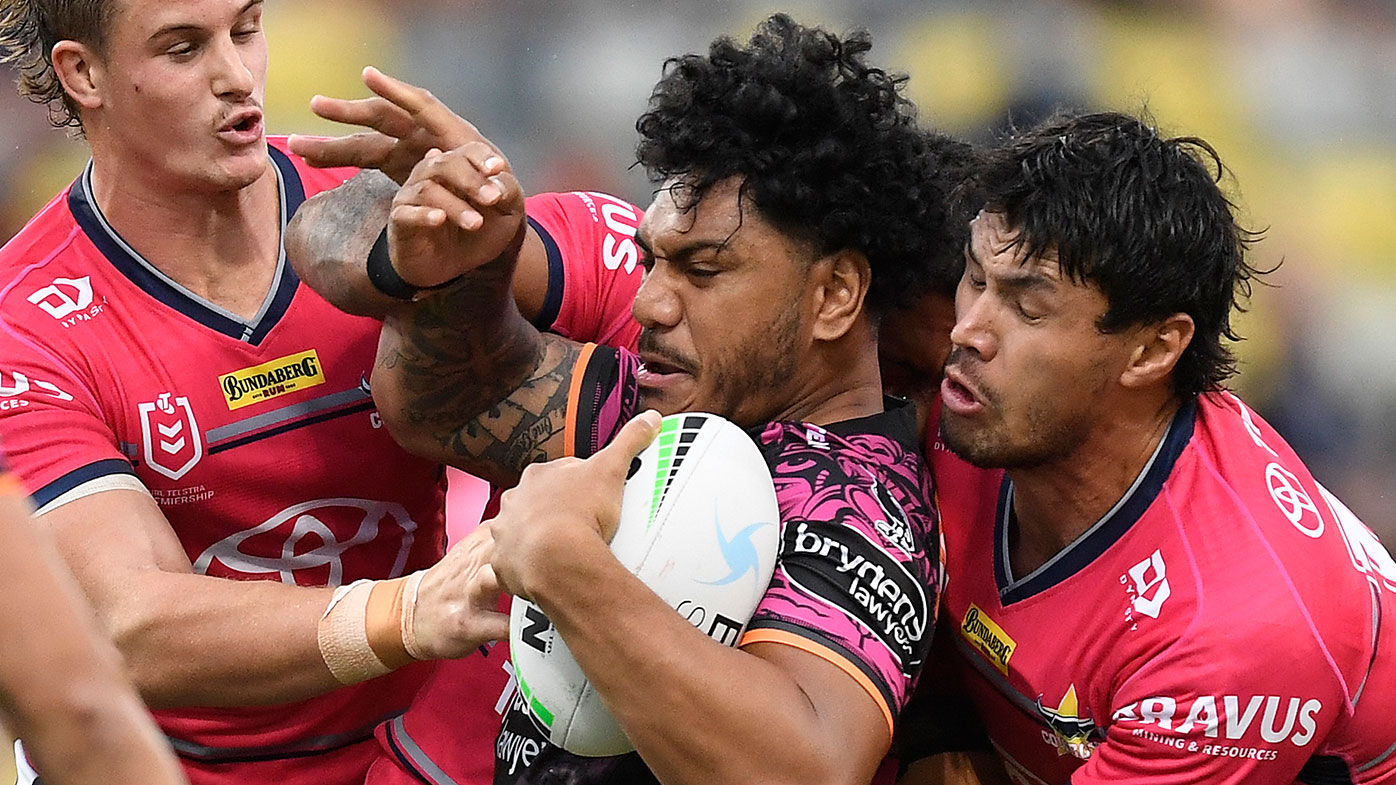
[[845, 568]]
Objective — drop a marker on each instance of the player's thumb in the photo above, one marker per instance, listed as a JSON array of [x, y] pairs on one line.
[[632, 439]]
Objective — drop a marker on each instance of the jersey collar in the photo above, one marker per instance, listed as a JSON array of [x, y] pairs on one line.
[[1105, 532], [150, 279]]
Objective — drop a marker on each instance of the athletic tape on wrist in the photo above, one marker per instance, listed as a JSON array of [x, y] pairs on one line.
[[366, 630], [343, 637], [409, 616]]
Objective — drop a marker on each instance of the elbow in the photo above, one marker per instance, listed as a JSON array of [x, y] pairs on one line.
[[301, 252], [413, 435]]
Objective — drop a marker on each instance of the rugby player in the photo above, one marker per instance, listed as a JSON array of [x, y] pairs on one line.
[[1146, 583], [195, 427], [61, 685], [782, 228]]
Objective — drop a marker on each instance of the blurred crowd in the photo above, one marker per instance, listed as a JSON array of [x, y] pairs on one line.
[[1298, 96]]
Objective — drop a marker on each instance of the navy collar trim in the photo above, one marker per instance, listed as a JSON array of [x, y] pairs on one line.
[[1108, 530], [150, 279]]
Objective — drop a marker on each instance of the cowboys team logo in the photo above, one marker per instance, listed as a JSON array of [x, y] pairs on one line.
[[170, 436], [1069, 732]]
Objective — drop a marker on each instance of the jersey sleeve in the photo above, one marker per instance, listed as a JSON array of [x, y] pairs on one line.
[[603, 397], [56, 441], [1249, 705], [857, 579], [593, 265]]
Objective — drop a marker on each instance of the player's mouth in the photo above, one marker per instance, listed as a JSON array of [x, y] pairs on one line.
[[661, 372], [242, 127], [958, 394]]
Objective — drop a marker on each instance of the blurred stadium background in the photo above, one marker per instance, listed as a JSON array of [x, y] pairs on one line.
[[1299, 97]]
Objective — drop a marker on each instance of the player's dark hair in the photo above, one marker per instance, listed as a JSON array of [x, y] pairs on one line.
[[28, 31], [1137, 214], [828, 149]]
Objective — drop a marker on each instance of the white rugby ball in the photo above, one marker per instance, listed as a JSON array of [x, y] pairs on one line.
[[699, 524]]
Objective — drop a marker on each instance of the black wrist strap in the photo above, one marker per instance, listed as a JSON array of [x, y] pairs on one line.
[[385, 278], [383, 275]]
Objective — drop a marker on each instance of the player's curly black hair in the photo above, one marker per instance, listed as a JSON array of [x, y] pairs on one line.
[[28, 31], [1139, 215], [828, 148]]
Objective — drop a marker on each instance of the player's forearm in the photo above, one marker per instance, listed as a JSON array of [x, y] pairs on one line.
[[742, 719], [459, 371], [61, 685], [328, 241], [95, 732], [194, 640]]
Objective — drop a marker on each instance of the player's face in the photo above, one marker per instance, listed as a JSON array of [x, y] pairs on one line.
[[722, 308], [1029, 372], [182, 97], [912, 345]]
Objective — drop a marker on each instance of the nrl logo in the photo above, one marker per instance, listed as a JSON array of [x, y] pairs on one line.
[[170, 437]]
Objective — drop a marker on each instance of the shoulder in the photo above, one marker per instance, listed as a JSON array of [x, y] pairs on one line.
[[47, 235]]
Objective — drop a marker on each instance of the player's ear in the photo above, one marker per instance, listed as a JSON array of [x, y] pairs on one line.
[[843, 279], [80, 71], [1159, 347]]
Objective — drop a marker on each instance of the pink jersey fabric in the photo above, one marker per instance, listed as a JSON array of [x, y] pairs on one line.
[[1229, 621], [257, 439]]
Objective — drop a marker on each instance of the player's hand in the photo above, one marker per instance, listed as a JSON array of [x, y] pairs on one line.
[[562, 503], [405, 121], [458, 598], [457, 211]]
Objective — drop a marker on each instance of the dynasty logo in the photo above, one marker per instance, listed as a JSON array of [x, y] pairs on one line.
[[270, 380], [988, 637]]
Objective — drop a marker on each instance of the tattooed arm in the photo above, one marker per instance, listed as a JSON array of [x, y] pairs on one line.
[[329, 238], [487, 394], [461, 376]]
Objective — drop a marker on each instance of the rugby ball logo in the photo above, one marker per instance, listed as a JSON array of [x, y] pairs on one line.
[[699, 525]]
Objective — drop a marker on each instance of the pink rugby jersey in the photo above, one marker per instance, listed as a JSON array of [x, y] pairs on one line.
[[858, 574], [258, 439], [1228, 621]]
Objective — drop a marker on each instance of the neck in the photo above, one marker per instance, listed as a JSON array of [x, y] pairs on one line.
[[1055, 503], [847, 383], [213, 242]]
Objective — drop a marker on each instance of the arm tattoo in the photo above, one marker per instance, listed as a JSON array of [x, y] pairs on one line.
[[329, 238], [471, 383]]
